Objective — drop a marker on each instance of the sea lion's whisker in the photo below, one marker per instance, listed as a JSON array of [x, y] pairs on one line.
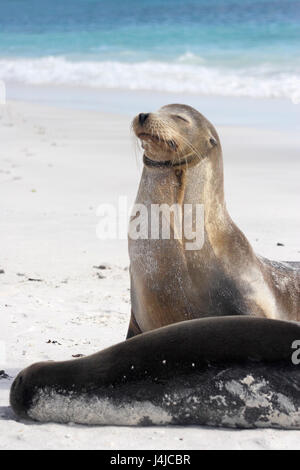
[[187, 143]]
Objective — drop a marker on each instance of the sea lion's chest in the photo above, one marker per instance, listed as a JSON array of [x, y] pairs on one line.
[[161, 288]]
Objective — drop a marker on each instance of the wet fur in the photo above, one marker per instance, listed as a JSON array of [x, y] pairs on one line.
[[228, 371], [225, 277]]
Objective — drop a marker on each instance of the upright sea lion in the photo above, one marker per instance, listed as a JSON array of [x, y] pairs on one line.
[[183, 165], [225, 371]]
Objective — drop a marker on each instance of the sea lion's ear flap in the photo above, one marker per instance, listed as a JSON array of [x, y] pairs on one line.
[[213, 141]]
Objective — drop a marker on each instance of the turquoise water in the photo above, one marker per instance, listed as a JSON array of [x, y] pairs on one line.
[[216, 47]]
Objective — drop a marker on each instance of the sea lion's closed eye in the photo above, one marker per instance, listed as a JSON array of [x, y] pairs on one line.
[[176, 116]]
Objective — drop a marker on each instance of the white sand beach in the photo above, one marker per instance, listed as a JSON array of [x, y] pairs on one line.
[[57, 165]]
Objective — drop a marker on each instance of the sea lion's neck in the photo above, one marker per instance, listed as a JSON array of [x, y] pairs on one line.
[[200, 183], [197, 184], [204, 185]]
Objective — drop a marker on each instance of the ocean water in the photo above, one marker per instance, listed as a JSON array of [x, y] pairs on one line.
[[207, 47]]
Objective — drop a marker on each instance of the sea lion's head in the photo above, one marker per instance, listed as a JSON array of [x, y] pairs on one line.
[[175, 135]]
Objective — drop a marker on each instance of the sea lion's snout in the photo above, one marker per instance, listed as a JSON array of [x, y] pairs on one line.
[[143, 117], [18, 396], [158, 135], [23, 390]]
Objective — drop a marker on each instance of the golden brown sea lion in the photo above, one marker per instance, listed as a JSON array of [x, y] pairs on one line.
[[170, 283]]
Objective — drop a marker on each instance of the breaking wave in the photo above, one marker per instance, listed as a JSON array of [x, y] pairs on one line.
[[180, 76]]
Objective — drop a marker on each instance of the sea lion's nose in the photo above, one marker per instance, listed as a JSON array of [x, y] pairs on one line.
[[143, 117]]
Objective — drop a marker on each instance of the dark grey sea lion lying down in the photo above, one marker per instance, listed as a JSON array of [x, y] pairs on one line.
[[227, 371]]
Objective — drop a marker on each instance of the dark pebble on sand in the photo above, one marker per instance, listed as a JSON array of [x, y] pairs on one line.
[[280, 244], [101, 266], [2, 271], [77, 355], [3, 374]]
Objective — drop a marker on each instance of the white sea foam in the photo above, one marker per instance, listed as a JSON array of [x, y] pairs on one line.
[[260, 82]]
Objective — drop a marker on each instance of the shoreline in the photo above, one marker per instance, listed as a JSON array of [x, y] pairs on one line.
[[272, 113]]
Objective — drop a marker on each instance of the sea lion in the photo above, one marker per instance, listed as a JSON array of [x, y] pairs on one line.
[[223, 371], [183, 165]]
